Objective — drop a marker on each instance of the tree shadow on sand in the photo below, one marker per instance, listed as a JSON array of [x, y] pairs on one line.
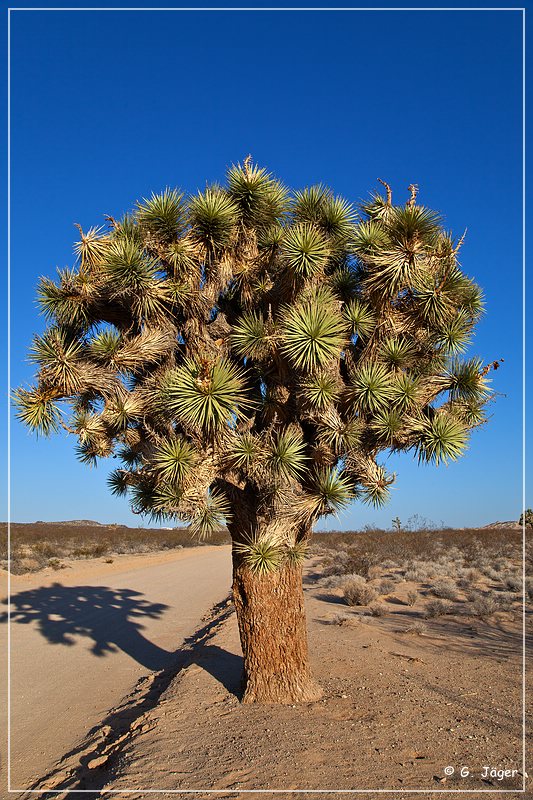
[[110, 617]]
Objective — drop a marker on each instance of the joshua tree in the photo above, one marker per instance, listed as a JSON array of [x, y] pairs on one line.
[[526, 518], [246, 354], [397, 524]]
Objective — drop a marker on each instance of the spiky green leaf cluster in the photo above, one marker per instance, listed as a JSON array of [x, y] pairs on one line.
[[261, 554], [210, 515], [312, 335], [252, 337], [286, 454], [205, 395], [441, 439], [163, 214], [360, 317], [370, 389], [329, 491]]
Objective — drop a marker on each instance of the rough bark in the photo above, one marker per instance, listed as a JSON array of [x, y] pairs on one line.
[[271, 616]]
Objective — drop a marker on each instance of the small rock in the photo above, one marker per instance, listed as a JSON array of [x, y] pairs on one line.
[[97, 762]]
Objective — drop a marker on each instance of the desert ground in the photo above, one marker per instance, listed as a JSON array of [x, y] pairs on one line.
[[416, 639], [81, 639]]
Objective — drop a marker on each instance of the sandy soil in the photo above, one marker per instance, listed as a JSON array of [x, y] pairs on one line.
[[81, 638], [398, 708]]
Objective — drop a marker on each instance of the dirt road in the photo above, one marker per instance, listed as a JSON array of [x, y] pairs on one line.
[[82, 637]]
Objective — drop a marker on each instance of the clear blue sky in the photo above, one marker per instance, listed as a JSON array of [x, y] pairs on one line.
[[108, 106]]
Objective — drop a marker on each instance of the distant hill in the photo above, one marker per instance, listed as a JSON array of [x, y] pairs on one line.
[[82, 522], [511, 525]]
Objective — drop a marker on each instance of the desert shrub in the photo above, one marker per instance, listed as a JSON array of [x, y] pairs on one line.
[[419, 572], [468, 577], [333, 581], [357, 592], [504, 600], [334, 564], [91, 550], [56, 563], [436, 608], [385, 586], [502, 564], [374, 572], [22, 565], [482, 605], [446, 567], [425, 556], [397, 577], [377, 610], [444, 589], [529, 588], [454, 554], [350, 564], [127, 548], [417, 628], [513, 582], [491, 573], [345, 620], [45, 549], [412, 597], [424, 571], [360, 564]]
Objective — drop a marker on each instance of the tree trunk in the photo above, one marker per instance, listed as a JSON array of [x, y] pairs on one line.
[[271, 616]]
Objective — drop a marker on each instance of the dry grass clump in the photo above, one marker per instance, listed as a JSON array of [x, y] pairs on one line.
[[505, 600], [385, 586], [333, 581], [412, 597], [56, 563], [421, 571], [445, 589], [377, 610], [344, 620], [357, 592], [513, 582], [485, 604], [482, 605], [491, 573], [468, 577], [417, 628], [375, 572], [397, 577], [437, 608]]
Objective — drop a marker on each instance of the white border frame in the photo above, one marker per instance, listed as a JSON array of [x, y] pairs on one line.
[[110, 791]]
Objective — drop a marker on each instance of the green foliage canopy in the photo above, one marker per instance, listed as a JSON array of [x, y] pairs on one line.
[[253, 341]]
